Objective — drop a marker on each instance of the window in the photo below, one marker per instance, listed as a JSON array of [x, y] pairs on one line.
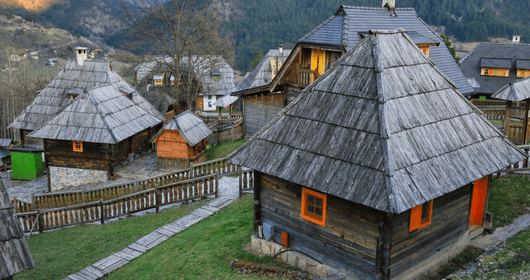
[[523, 73], [496, 72], [420, 216], [78, 146], [425, 51], [314, 206], [216, 78]]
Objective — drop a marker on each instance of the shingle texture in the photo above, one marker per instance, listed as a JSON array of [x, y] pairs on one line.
[[100, 115], [384, 128], [15, 256], [5, 142], [517, 91], [73, 78], [159, 100], [191, 127], [517, 55], [358, 20], [262, 75]]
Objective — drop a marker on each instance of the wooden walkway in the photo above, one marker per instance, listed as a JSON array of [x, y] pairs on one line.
[[142, 245]]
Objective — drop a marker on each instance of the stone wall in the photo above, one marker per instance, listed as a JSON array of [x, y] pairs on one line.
[[62, 177], [306, 264]]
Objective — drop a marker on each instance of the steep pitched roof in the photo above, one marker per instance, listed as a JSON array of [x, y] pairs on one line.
[[517, 91], [513, 56], [15, 256], [100, 115], [399, 133], [191, 127], [5, 142], [73, 78], [159, 100], [344, 31], [262, 75]]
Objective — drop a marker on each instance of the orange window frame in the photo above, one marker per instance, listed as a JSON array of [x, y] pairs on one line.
[[523, 73], [417, 219], [311, 216], [78, 146], [495, 72]]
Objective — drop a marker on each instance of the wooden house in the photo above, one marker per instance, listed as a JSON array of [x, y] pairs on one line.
[[98, 132], [315, 53], [491, 66], [213, 74], [15, 256], [77, 76], [389, 181], [182, 140]]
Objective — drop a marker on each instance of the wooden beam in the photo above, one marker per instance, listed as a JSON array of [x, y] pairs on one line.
[[507, 118], [525, 122], [257, 202]]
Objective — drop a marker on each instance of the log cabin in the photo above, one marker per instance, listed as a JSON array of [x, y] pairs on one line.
[[491, 66], [387, 183], [77, 76], [97, 133], [182, 140], [315, 53], [213, 74], [15, 256]]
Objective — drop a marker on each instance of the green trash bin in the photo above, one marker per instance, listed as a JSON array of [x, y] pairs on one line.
[[26, 163]]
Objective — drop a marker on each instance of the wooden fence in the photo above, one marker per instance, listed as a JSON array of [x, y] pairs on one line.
[[520, 166], [246, 181], [226, 131], [155, 197], [69, 198]]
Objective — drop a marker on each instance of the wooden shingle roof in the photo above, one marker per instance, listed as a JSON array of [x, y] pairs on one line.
[[383, 127], [5, 142], [73, 78], [518, 91], [100, 115], [15, 256], [191, 127], [344, 30]]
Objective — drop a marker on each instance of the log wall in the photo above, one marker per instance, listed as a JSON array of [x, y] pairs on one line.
[[30, 142], [449, 224], [348, 241], [95, 156], [259, 110]]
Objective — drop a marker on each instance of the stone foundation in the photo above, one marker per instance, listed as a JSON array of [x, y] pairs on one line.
[[306, 264], [62, 177]]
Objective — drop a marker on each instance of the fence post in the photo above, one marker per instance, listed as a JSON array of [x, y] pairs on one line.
[[33, 206], [102, 212], [41, 222], [240, 175], [83, 195], [157, 198], [216, 184], [136, 185], [192, 171]]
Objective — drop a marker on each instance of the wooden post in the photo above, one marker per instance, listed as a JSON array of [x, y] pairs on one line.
[[41, 222], [102, 212], [507, 118], [257, 202], [217, 184], [240, 175], [157, 198], [192, 171], [220, 111], [525, 122]]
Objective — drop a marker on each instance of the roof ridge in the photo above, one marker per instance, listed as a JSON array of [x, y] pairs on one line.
[[375, 8], [92, 99], [345, 30], [470, 53], [383, 124]]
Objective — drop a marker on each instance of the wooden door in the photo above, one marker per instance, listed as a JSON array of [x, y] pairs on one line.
[[478, 202]]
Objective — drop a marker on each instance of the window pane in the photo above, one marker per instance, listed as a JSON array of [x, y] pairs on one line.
[[425, 211], [318, 211], [311, 208], [319, 202], [310, 199]]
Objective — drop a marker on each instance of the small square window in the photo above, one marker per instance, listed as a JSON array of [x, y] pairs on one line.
[[420, 216], [78, 146], [314, 206]]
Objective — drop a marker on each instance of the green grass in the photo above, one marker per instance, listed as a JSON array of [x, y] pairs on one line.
[[203, 251], [60, 253], [516, 255], [509, 198], [224, 149]]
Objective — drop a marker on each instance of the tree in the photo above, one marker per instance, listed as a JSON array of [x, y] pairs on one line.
[[451, 49], [183, 36]]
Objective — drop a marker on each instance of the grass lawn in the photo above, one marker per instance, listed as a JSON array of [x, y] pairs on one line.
[[224, 149], [509, 198], [60, 253], [203, 251]]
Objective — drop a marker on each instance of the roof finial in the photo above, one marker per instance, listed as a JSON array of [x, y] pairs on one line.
[[390, 5]]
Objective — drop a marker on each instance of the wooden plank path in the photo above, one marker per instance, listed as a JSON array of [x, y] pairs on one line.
[[142, 245]]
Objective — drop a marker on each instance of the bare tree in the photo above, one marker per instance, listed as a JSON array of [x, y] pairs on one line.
[[184, 38]]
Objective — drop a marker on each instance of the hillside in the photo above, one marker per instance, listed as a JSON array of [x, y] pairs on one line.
[[260, 25]]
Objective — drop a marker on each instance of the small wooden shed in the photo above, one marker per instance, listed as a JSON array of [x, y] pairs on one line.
[[182, 140], [379, 169], [26, 163], [15, 256]]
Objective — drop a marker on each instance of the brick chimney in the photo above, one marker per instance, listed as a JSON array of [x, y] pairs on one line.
[[81, 55], [516, 39]]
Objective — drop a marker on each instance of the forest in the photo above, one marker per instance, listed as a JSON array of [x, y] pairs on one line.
[[262, 25]]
